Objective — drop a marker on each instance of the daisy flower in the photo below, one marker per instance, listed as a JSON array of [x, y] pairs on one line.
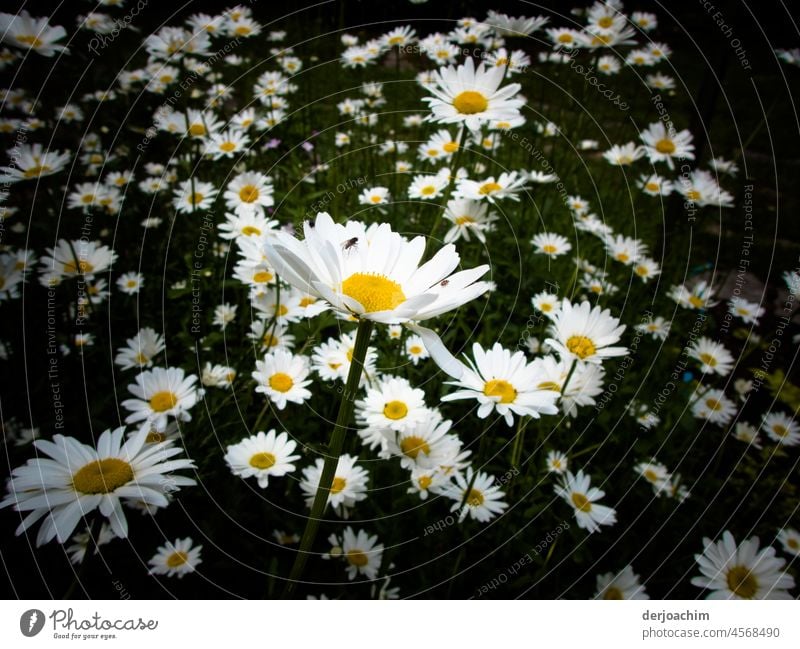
[[713, 357], [392, 404], [546, 303], [578, 492], [790, 539], [83, 540], [504, 382], [623, 155], [377, 277], [556, 462], [374, 196], [193, 196], [75, 479], [655, 185], [468, 217], [585, 383], [732, 571], [472, 96], [428, 186], [656, 474], [161, 393], [349, 484], [261, 456], [249, 192], [663, 145], [625, 249], [781, 428], [646, 268], [130, 283], [141, 349], [481, 498], [217, 376], [224, 314], [427, 445], [427, 481], [715, 407], [507, 185], [28, 33], [176, 559], [282, 377], [225, 144], [622, 585], [552, 245], [31, 161], [362, 553], [415, 349], [698, 297], [747, 433], [701, 188], [585, 333], [332, 359], [748, 312]]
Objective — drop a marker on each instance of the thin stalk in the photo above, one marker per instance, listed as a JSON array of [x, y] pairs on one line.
[[335, 447]]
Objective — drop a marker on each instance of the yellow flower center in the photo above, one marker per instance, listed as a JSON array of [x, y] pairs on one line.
[[373, 291], [426, 481], [792, 543], [162, 401], [581, 346], [693, 195], [154, 437], [262, 460], [696, 301], [36, 171], [243, 30], [549, 385], [565, 38], [779, 430], [464, 220], [549, 248], [269, 340], [307, 301], [413, 446], [500, 388], [475, 498], [395, 410], [102, 476], [177, 559], [281, 382], [650, 475], [415, 349], [714, 404], [666, 146], [357, 558], [195, 199], [282, 309], [642, 271], [708, 359], [396, 40], [741, 582], [81, 267], [29, 39], [428, 190], [581, 502], [450, 147], [250, 230], [653, 187], [227, 147], [613, 593], [605, 22], [470, 102], [262, 277], [197, 130], [338, 485], [489, 188], [623, 257]]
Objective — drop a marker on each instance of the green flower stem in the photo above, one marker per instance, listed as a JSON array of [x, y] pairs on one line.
[[335, 447], [516, 450]]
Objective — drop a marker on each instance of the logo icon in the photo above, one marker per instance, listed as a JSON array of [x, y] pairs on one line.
[[31, 622]]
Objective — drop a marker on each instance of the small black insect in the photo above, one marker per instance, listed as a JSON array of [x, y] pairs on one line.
[[350, 243], [444, 282]]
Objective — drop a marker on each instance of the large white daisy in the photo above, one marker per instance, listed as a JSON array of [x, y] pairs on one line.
[[472, 96], [75, 479]]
